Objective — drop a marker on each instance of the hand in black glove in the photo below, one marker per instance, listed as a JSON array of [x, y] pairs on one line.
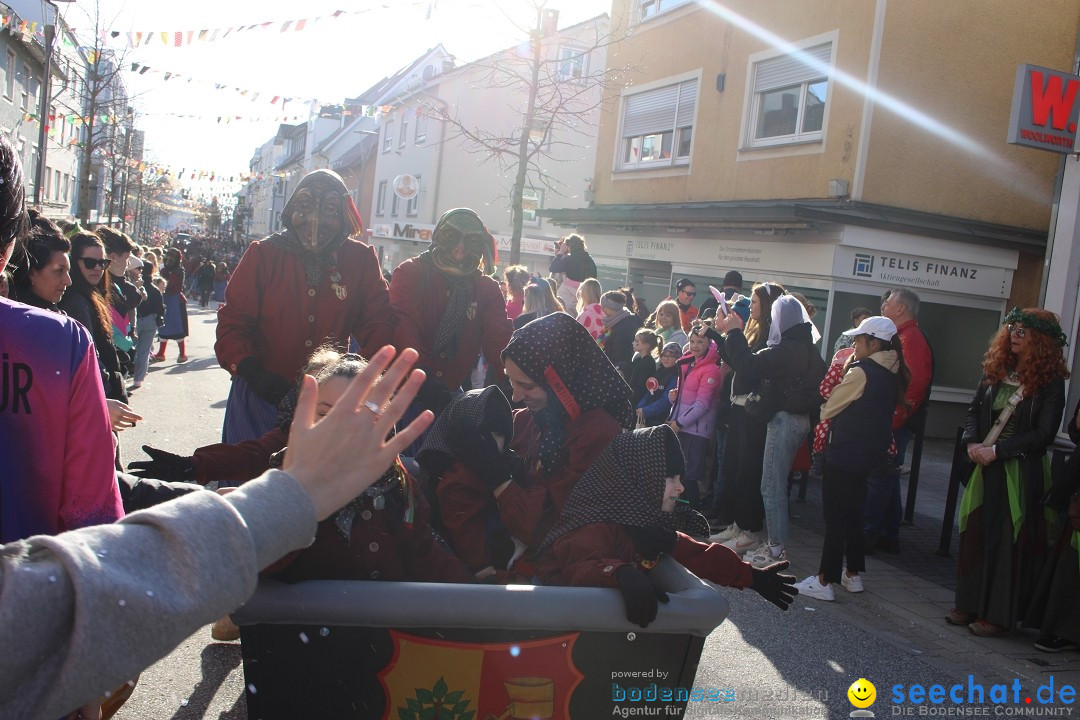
[[434, 396], [163, 465], [774, 587], [640, 594], [491, 465], [652, 541], [267, 385]]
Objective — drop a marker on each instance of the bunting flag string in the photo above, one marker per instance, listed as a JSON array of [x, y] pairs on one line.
[[252, 95], [185, 38]]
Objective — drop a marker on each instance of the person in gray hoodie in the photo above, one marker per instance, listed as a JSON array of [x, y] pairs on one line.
[[84, 611]]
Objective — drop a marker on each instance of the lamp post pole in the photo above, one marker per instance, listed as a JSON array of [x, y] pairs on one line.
[[43, 107]]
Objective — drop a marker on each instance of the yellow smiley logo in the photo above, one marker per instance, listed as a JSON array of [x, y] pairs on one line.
[[862, 693]]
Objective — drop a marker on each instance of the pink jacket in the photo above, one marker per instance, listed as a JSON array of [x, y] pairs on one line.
[[699, 393]]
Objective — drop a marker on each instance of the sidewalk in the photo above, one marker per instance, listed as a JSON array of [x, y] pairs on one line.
[[908, 595]]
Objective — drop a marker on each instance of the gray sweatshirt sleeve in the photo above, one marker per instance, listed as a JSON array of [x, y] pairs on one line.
[[85, 611]]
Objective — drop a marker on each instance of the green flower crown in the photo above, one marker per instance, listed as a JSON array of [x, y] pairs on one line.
[[1046, 327]]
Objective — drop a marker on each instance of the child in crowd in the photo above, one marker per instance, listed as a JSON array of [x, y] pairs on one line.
[[625, 512], [643, 366], [860, 409], [383, 534], [471, 435], [693, 410], [655, 406]]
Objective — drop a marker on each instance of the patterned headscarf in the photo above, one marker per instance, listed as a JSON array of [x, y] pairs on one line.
[[476, 411], [14, 222], [558, 353], [625, 485]]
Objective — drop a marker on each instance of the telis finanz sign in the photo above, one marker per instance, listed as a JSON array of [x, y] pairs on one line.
[[1044, 109]]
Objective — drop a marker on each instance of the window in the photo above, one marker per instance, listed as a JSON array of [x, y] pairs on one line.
[[788, 105], [25, 87], [404, 131], [540, 133], [380, 200], [421, 126], [649, 8], [412, 203], [395, 201], [573, 63], [388, 137], [9, 91], [532, 200], [657, 126], [56, 185], [48, 184], [67, 186]]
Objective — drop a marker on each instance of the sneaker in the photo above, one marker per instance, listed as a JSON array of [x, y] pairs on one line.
[[157, 358], [225, 630], [1054, 644], [745, 541], [727, 533], [135, 385], [765, 555], [851, 583], [182, 358], [812, 588], [982, 628]]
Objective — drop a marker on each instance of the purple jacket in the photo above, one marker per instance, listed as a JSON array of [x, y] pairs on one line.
[[699, 393]]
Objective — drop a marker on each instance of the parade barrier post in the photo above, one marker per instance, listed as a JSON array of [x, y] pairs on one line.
[[397, 651]]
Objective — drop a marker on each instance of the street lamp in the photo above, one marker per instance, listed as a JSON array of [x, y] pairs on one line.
[[46, 93]]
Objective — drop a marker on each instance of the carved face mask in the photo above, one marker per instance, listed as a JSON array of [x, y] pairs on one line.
[[315, 212], [461, 241]]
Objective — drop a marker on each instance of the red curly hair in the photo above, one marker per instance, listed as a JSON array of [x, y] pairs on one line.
[[1043, 363]]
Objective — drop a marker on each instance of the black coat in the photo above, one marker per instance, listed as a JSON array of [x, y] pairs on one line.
[[619, 346], [79, 308], [787, 359], [1036, 419]]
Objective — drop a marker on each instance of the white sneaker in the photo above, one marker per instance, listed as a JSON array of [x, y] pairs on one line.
[[810, 587], [765, 554], [745, 541], [851, 583], [726, 534]]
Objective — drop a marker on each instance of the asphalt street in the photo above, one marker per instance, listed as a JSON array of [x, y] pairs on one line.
[[797, 664]]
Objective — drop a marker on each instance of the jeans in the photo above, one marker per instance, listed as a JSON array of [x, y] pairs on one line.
[[785, 433], [722, 505], [881, 516], [146, 327]]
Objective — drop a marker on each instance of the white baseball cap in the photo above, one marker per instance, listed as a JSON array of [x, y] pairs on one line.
[[876, 326]]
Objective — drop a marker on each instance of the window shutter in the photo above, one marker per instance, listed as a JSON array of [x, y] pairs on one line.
[[687, 102], [651, 111], [792, 69]]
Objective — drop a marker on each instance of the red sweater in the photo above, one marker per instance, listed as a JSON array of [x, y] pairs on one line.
[[589, 556], [270, 313], [419, 300], [529, 510], [919, 359]]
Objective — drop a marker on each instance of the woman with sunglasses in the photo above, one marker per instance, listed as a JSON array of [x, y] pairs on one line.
[[88, 302], [1012, 420]]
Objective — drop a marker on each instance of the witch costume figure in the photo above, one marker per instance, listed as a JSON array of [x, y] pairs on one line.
[[448, 308], [309, 285], [469, 442], [625, 513], [1005, 530]]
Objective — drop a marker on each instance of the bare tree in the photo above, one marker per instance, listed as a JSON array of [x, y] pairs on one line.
[[562, 84], [107, 113]]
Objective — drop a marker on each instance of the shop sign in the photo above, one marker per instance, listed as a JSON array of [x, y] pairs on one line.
[[929, 273], [1044, 109], [535, 246], [404, 231]]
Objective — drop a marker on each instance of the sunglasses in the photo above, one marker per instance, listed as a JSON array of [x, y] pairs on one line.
[[1018, 331], [93, 263], [689, 293]]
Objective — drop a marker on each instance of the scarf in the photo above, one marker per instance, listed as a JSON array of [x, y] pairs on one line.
[[458, 306], [558, 353], [477, 411], [610, 322], [625, 485]]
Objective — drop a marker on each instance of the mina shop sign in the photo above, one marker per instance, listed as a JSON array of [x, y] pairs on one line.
[[1044, 109]]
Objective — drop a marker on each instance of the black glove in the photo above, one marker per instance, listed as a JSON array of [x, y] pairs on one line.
[[267, 385], [776, 588], [163, 465], [487, 462], [652, 541], [640, 594], [434, 396]]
